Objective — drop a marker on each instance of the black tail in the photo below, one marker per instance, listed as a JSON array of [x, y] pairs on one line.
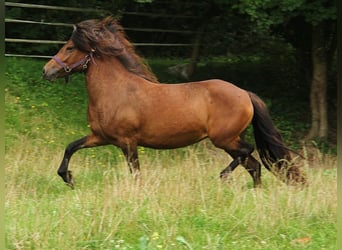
[[273, 152]]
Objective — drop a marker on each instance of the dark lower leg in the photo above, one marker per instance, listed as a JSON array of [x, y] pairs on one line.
[[254, 169], [240, 151], [85, 142], [228, 170], [131, 154], [69, 151]]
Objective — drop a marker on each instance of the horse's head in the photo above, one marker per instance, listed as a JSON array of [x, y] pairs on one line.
[[68, 60], [105, 38]]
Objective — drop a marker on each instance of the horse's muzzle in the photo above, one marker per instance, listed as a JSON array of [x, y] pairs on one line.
[[49, 75]]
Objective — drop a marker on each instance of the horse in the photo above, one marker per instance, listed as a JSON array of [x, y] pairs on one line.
[[128, 107]]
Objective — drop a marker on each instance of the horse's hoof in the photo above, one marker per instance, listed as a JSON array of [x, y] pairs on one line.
[[225, 174], [257, 185], [225, 177], [71, 182], [70, 185]]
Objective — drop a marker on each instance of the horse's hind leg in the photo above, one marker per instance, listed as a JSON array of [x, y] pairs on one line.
[[254, 169], [85, 142], [241, 154], [228, 170], [131, 153]]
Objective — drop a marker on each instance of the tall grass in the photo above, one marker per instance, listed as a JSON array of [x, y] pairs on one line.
[[180, 199], [179, 204]]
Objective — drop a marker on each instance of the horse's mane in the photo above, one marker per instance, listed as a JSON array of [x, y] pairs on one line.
[[108, 38]]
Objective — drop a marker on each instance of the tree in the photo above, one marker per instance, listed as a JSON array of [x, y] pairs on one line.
[[311, 28]]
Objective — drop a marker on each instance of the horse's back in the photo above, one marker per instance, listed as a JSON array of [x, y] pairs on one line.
[[227, 97]]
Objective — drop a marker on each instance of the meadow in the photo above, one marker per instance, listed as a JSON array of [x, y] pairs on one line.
[[179, 204]]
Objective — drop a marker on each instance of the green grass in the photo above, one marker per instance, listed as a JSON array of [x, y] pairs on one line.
[[180, 203]]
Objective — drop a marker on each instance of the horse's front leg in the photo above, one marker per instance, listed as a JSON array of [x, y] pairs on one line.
[[131, 153], [85, 142]]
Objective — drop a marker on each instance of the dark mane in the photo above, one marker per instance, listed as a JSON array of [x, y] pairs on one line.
[[108, 38]]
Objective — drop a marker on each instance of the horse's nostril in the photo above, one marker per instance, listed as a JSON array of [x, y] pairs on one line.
[[44, 71]]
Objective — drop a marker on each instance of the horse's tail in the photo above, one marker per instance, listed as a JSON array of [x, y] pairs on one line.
[[274, 154]]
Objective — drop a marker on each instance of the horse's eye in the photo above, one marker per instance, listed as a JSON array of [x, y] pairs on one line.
[[70, 49]]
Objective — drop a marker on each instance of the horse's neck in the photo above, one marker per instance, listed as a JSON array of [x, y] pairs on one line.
[[134, 64], [107, 78]]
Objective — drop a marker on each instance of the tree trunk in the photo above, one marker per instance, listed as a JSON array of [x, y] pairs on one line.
[[318, 94], [196, 50]]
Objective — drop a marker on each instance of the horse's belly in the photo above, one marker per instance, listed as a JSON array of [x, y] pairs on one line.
[[172, 138]]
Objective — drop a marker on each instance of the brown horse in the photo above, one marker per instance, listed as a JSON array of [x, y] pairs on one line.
[[128, 107]]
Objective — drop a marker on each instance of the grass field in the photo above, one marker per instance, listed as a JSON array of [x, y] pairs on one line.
[[180, 203]]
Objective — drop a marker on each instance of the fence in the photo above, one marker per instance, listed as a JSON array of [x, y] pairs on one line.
[[98, 12]]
